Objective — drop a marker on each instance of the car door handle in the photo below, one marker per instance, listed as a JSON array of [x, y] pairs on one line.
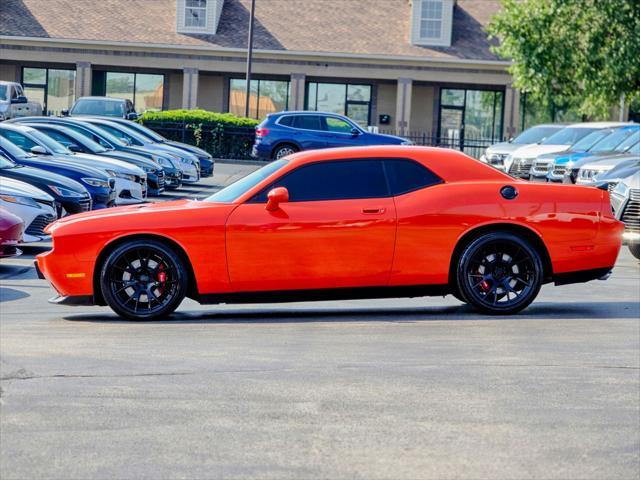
[[372, 210]]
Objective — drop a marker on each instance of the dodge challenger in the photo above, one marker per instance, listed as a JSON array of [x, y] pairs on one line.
[[348, 223]]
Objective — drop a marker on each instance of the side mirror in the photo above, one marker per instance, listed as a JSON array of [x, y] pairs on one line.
[[74, 148], [275, 197], [131, 116], [38, 150], [355, 132], [64, 112], [20, 99]]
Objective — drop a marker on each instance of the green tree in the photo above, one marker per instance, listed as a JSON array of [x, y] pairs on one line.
[[581, 54]]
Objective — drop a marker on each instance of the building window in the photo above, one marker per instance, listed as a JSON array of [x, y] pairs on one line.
[[431, 19], [53, 88], [352, 100], [469, 117], [431, 22], [265, 96], [145, 90], [195, 14]]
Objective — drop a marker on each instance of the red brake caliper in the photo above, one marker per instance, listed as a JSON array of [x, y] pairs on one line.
[[484, 284], [162, 277]]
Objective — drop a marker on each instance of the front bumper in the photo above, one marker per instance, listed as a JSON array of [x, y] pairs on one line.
[[129, 192]]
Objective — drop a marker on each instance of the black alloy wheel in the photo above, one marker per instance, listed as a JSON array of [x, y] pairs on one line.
[[499, 273], [143, 280]]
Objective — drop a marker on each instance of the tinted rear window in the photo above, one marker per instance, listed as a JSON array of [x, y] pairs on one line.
[[286, 121], [406, 176], [308, 122]]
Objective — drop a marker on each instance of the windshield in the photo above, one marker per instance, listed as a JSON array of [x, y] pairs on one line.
[[50, 143], [535, 135], [124, 133], [590, 140], [108, 108], [147, 132], [568, 136], [237, 189], [612, 141], [92, 146], [3, 92], [5, 162], [13, 149], [99, 132], [630, 144]]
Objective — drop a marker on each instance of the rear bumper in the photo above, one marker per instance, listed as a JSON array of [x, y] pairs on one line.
[[261, 151]]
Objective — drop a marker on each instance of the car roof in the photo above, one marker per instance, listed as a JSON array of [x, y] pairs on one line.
[[108, 99], [598, 124], [20, 127], [305, 112]]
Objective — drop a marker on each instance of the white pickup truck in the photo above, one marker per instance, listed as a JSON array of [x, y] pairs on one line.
[[14, 104]]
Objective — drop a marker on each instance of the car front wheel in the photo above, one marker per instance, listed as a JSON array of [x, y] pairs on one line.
[[143, 280], [634, 248], [499, 273]]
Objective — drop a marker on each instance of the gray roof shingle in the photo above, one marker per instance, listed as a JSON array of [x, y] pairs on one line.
[[369, 27]]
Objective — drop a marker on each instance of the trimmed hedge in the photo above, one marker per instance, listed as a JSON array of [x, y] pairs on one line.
[[199, 117], [223, 135]]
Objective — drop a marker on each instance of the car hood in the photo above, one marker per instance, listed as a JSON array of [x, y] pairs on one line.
[[149, 218], [565, 157], [64, 162], [10, 186], [190, 148], [40, 176], [103, 163], [609, 162], [503, 148], [535, 150], [131, 158], [387, 138]]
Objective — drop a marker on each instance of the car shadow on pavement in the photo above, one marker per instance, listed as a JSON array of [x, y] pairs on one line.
[[541, 311], [10, 294]]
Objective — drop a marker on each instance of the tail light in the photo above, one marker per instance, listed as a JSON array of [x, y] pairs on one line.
[[262, 132]]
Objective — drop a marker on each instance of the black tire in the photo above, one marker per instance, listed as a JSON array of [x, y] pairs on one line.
[[634, 248], [499, 273], [137, 274], [284, 150]]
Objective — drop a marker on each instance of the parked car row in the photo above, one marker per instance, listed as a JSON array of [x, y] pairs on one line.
[[585, 154], [56, 166]]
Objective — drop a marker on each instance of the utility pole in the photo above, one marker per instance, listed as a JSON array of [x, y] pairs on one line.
[[249, 58]]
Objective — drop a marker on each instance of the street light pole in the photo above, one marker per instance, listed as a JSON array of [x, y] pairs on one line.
[[249, 58]]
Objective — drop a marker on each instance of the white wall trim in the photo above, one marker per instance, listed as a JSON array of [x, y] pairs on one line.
[[261, 53]]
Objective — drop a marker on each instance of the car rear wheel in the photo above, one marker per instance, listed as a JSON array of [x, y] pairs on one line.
[[499, 273], [634, 248], [143, 280], [283, 151]]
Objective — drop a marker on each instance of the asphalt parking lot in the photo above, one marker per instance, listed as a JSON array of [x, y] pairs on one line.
[[398, 388]]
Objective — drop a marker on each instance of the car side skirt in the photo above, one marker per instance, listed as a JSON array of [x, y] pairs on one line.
[[356, 293], [284, 296]]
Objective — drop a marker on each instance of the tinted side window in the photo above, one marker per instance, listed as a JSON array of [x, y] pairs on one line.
[[57, 136], [18, 139], [407, 175], [308, 122], [287, 121], [338, 125], [340, 180]]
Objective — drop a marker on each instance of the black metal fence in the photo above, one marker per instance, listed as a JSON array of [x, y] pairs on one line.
[[236, 142], [220, 141], [472, 146]]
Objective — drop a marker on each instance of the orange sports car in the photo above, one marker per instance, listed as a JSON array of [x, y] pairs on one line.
[[370, 222]]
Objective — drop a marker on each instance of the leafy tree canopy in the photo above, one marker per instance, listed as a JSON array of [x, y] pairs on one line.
[[580, 54]]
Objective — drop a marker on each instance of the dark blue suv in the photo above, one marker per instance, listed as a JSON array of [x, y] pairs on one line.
[[287, 132]]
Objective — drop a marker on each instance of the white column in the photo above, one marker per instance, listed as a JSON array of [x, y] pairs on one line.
[[296, 101], [190, 88], [83, 79], [511, 118], [403, 105]]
